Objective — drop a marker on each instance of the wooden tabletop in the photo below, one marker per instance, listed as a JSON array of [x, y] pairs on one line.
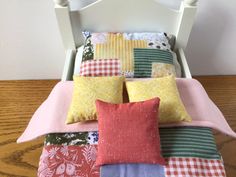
[[222, 90], [20, 99]]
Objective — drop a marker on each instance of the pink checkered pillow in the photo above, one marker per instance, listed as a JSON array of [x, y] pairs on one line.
[[102, 67]]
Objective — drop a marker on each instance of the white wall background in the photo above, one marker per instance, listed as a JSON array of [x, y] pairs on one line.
[[30, 43], [31, 47], [212, 45]]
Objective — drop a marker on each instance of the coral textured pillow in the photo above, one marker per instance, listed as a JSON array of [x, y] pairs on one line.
[[128, 133], [171, 106], [87, 90]]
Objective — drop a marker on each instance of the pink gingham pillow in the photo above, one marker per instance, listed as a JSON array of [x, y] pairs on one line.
[[101, 67]]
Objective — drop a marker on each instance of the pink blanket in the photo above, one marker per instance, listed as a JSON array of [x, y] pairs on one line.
[[51, 115]]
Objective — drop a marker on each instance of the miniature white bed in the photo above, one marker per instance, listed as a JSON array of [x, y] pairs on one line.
[[122, 16]]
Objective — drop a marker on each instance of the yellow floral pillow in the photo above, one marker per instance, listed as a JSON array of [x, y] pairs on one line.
[[87, 90], [171, 106]]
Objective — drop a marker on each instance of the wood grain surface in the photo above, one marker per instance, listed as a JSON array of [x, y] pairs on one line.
[[19, 100], [222, 90]]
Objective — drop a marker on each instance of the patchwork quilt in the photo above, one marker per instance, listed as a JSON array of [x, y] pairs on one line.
[[188, 151]]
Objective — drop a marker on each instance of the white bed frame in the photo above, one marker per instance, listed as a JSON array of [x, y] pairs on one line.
[[123, 16]]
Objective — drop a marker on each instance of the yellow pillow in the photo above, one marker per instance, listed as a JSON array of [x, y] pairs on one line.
[[171, 106], [87, 90]]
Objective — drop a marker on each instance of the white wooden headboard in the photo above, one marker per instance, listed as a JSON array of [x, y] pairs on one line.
[[124, 16]]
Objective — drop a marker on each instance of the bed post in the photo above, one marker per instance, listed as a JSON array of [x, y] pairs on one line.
[[62, 10], [188, 9]]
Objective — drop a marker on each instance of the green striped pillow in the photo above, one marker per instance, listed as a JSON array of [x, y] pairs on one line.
[[144, 57]]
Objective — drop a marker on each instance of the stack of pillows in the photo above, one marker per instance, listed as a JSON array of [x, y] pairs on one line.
[[128, 132]]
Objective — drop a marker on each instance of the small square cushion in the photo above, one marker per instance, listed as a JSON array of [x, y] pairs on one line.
[[128, 133], [145, 58], [171, 106], [87, 90], [103, 67]]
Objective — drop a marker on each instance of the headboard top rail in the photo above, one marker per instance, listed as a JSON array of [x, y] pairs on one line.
[[66, 2], [124, 16]]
